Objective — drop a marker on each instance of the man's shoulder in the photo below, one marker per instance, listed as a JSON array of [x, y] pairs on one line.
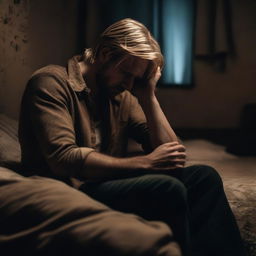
[[52, 71], [51, 78]]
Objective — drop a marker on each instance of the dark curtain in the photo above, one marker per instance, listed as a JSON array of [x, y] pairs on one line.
[[214, 33]]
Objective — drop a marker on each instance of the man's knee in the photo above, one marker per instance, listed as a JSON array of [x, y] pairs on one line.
[[209, 176], [168, 190], [163, 183]]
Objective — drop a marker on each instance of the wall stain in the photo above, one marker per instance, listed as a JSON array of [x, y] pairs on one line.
[[6, 20], [10, 10], [14, 17]]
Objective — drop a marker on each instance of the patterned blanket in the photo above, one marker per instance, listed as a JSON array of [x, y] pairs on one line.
[[239, 178]]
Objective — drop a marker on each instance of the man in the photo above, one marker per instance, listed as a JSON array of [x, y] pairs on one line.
[[75, 124]]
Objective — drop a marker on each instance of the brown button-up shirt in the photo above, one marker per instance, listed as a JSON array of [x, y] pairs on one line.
[[56, 128]]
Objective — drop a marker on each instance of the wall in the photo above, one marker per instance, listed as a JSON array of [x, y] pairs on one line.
[[33, 34], [13, 52], [218, 98], [38, 32]]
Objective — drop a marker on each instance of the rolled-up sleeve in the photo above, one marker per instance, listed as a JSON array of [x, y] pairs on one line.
[[51, 115]]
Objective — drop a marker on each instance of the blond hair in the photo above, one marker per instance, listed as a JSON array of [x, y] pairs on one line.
[[130, 37]]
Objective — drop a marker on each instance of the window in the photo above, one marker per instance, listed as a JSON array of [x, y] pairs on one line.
[[174, 24]]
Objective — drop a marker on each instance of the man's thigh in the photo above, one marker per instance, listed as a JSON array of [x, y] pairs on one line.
[[141, 194], [168, 188], [157, 197]]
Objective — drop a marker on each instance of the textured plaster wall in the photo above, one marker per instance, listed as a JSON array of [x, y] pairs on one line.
[[14, 47], [33, 33]]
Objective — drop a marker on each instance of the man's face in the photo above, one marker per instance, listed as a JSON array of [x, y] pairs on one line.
[[119, 77]]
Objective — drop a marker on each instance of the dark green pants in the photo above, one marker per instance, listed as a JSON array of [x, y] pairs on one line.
[[191, 200]]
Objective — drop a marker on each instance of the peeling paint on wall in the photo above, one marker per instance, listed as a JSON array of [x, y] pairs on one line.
[[33, 33], [13, 37]]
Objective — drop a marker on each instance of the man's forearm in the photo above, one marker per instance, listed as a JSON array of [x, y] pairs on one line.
[[164, 158], [160, 130], [100, 166]]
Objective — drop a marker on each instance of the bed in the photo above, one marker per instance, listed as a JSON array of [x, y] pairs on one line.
[[238, 174], [239, 178]]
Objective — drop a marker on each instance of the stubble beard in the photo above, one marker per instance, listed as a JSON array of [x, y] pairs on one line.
[[103, 83]]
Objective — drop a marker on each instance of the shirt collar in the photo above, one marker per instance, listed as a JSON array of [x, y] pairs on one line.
[[75, 77], [76, 80]]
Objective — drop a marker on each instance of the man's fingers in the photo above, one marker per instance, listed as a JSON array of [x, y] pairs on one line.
[[170, 163], [158, 74], [178, 154], [169, 144], [174, 145], [179, 160], [177, 147]]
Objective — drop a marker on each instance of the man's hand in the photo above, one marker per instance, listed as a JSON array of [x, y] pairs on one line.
[[145, 88], [151, 83], [167, 156]]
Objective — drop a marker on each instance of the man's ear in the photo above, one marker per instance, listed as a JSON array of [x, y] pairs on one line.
[[104, 55]]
